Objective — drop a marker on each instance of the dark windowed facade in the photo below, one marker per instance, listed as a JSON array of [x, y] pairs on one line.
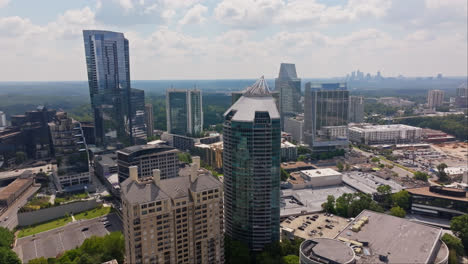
[[251, 160], [289, 87], [108, 67]]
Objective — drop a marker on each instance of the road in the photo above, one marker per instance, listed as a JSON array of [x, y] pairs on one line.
[[51, 243], [12, 211]]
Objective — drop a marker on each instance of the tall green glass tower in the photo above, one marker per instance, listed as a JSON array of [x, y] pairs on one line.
[[251, 160]]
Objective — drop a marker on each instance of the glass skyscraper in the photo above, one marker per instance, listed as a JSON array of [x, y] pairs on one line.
[[108, 67], [184, 112], [326, 109], [289, 87], [251, 165]]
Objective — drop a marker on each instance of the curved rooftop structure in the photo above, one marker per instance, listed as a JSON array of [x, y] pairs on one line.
[[325, 250]]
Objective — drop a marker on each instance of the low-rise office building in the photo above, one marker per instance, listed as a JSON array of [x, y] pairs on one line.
[[384, 134], [316, 178], [174, 220], [288, 151], [439, 201], [147, 158]]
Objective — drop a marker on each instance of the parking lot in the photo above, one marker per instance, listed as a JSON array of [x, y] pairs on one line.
[[314, 225], [53, 242]]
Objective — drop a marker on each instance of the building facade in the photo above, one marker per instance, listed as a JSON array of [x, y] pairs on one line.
[[356, 109], [289, 87], [295, 127], [326, 107], [251, 166], [176, 220], [288, 151], [149, 120], [3, 121], [384, 134], [184, 112], [435, 98], [108, 67], [138, 116], [147, 158]]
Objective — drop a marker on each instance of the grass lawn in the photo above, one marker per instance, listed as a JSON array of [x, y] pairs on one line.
[[44, 227], [78, 196], [93, 213]]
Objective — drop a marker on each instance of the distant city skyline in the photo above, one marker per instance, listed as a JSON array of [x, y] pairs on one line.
[[195, 39]]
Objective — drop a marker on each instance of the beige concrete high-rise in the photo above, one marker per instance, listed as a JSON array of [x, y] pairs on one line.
[[177, 220], [435, 98]]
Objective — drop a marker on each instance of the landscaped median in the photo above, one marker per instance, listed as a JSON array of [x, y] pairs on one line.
[[93, 213], [31, 230]]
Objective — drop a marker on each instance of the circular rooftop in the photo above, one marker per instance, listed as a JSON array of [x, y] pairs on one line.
[[322, 250]]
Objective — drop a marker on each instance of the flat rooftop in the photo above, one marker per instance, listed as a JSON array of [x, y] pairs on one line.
[[312, 230], [322, 250], [401, 240], [14, 187], [296, 202], [320, 172], [133, 149], [426, 192], [369, 128], [296, 165], [368, 182]]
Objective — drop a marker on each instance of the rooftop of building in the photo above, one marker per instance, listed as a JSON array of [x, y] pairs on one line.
[[383, 127], [320, 172], [326, 250], [456, 170], [296, 165], [107, 159], [397, 239], [145, 190], [256, 99], [14, 187], [315, 225], [287, 144], [426, 191], [137, 148], [287, 70]]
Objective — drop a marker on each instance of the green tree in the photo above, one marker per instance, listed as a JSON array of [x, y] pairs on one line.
[[459, 226], [453, 257], [402, 199], [185, 157], [301, 150], [6, 237], [453, 243], [329, 205], [422, 176], [8, 256], [443, 177], [398, 212], [20, 157], [291, 259], [340, 166], [375, 159], [284, 174], [384, 192], [301, 158], [40, 260]]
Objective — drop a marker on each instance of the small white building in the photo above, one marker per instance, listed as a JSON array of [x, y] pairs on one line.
[[317, 178]]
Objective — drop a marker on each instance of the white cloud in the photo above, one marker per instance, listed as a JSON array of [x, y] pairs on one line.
[[195, 15], [247, 13], [4, 3]]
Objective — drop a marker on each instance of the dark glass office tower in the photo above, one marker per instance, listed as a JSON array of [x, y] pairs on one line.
[[326, 109], [289, 87], [251, 160], [184, 112], [108, 67], [137, 106]]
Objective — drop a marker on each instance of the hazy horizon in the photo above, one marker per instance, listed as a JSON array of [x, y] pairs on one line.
[[236, 39]]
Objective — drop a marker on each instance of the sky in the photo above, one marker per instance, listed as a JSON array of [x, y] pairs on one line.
[[41, 40]]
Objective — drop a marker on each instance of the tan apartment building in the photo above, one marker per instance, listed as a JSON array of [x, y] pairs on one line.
[[174, 220]]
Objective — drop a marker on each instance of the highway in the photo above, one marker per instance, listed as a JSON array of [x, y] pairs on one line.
[[11, 214]]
